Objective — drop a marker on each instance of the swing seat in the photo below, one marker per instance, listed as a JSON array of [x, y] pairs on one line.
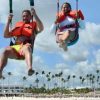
[[74, 41], [76, 37]]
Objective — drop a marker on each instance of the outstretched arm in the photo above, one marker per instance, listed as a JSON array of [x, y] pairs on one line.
[[7, 33], [40, 26]]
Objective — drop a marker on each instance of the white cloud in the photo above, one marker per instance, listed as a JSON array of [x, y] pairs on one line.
[[75, 54], [97, 55], [78, 53], [61, 66], [20, 5], [83, 68], [90, 35]]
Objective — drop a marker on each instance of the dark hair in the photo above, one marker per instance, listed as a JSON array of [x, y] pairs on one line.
[[28, 11], [68, 5]]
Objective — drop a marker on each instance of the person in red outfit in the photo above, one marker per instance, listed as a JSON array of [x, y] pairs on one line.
[[25, 32], [66, 19]]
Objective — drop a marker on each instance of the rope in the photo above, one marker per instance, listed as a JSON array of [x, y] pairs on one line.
[[77, 24], [72, 42], [77, 5], [10, 10], [10, 6], [57, 16], [31, 3], [11, 13], [33, 34], [57, 6]]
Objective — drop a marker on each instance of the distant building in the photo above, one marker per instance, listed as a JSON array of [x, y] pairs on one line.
[[11, 90]]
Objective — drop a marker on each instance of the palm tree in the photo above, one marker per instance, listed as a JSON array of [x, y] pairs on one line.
[[63, 82], [73, 80], [83, 79], [3, 78], [37, 81], [52, 77], [24, 79], [56, 76], [87, 78], [97, 71], [59, 76], [9, 74], [49, 79], [55, 85], [68, 80], [90, 78], [36, 74], [49, 73], [43, 72], [80, 80], [98, 78], [93, 81]]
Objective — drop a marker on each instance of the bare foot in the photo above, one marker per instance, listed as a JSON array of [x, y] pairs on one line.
[[31, 72], [63, 45]]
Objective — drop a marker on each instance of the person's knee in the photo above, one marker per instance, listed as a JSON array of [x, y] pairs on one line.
[[66, 36], [7, 51], [27, 49]]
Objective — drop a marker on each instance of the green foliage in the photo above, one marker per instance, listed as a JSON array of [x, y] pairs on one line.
[[82, 90]]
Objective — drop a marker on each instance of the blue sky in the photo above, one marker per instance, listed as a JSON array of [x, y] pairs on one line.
[[82, 57]]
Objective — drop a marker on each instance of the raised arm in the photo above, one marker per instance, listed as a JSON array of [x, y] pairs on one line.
[[40, 26], [7, 33]]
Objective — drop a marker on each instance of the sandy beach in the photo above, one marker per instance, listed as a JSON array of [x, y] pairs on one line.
[[32, 98]]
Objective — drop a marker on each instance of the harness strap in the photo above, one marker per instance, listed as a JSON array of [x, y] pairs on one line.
[[10, 7], [67, 26], [11, 12], [33, 34], [31, 3], [74, 40]]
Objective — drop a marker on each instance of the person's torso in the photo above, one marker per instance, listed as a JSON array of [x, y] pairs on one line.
[[23, 29], [68, 21], [22, 40]]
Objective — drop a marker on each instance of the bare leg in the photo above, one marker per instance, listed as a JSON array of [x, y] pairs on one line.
[[64, 36], [62, 39], [3, 62], [7, 53], [27, 52]]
